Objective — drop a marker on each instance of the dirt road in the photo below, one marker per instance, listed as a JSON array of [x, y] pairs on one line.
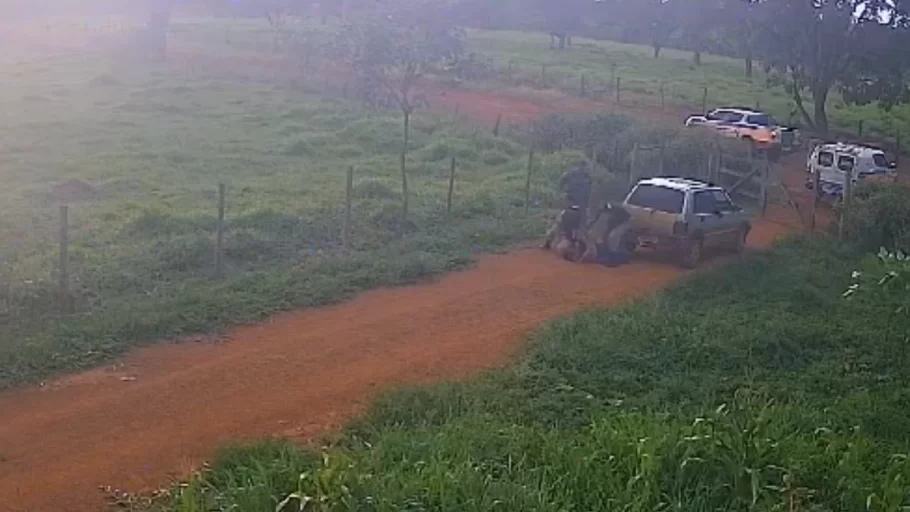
[[161, 411]]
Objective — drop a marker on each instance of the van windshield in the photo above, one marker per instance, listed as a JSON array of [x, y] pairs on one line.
[[657, 198], [880, 160]]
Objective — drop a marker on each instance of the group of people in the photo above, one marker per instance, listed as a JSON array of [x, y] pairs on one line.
[[574, 238]]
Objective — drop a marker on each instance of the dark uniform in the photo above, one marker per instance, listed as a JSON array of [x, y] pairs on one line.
[[567, 230], [576, 185], [607, 234]]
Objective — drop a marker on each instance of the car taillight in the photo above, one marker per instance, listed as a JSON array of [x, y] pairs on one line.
[[680, 228]]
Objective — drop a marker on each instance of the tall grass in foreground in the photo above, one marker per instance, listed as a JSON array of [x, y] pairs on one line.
[[753, 387]]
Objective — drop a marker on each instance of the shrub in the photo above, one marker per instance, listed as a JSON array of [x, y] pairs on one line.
[[879, 216]]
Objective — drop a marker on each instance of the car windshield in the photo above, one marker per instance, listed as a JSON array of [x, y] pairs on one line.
[[657, 198], [880, 160]]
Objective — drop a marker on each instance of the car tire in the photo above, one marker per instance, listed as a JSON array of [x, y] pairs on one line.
[[692, 252], [739, 245]]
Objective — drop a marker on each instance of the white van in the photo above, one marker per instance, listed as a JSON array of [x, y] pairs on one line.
[[834, 161]]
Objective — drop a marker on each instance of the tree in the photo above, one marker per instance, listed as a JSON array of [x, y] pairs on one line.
[[157, 24], [698, 25], [653, 20], [743, 22], [391, 46], [852, 45]]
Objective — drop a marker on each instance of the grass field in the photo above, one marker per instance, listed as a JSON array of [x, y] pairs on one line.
[[683, 82], [149, 145], [642, 76], [753, 387]]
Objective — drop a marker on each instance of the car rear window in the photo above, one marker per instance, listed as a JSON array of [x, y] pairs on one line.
[[658, 198], [880, 160], [759, 119], [826, 159]]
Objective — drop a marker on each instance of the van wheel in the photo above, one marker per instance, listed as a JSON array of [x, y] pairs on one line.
[[692, 251]]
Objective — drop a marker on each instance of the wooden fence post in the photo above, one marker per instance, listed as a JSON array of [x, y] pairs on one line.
[[845, 204], [660, 168], [219, 237], [662, 101], [348, 194], [528, 181], [816, 183], [704, 100], [543, 75], [618, 86], [765, 177], [633, 178], [496, 126], [582, 85], [859, 128], [451, 187], [63, 288]]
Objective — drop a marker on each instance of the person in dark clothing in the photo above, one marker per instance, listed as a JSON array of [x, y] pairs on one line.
[[576, 184], [566, 230], [607, 235]]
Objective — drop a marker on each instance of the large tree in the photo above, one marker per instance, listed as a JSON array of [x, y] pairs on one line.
[[856, 46]]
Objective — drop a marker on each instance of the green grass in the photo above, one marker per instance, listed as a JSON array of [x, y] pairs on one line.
[[753, 387], [641, 75], [683, 81], [153, 141]]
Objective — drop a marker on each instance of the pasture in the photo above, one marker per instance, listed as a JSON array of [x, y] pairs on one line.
[[138, 151]]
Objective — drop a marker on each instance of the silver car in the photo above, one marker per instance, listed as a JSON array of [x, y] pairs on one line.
[[686, 217]]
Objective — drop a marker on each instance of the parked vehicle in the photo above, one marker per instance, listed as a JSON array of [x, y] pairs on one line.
[[685, 217], [833, 162], [751, 125]]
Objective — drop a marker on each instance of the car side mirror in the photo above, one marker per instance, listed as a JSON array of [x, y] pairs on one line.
[[892, 165], [718, 213]]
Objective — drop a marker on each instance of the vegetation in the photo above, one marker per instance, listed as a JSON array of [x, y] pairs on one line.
[[753, 387], [143, 203]]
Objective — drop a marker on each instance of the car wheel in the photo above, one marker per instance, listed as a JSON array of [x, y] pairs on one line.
[[692, 251], [739, 245]]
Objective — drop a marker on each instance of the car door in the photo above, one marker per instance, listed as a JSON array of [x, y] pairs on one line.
[[706, 220], [824, 165], [731, 218]]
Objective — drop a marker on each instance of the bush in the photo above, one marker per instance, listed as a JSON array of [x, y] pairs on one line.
[[879, 216]]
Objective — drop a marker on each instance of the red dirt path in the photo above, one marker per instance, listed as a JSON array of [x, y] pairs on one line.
[[163, 410]]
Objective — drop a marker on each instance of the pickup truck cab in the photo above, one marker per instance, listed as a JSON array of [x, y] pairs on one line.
[[685, 217], [750, 125]]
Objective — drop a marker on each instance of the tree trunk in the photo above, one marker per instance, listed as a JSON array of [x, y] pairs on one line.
[[696, 57], [159, 19], [749, 65], [657, 49], [820, 97], [404, 169]]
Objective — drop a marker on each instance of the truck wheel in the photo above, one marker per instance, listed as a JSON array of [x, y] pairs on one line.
[[691, 253]]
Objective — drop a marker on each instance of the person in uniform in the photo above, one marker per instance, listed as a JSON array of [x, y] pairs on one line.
[[566, 231], [607, 234]]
